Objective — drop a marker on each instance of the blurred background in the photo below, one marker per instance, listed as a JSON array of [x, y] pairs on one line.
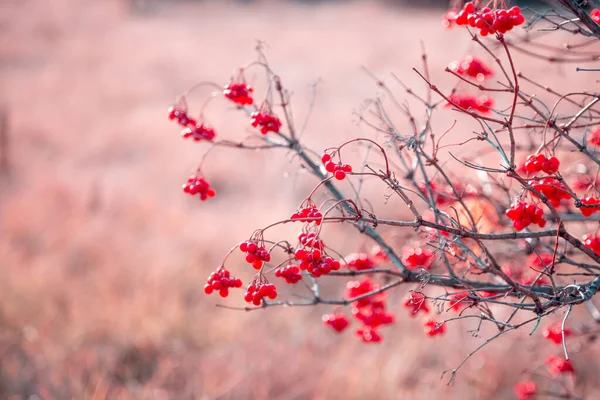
[[103, 259]]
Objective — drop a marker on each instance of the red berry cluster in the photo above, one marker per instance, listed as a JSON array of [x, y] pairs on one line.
[[459, 302], [370, 311], [558, 365], [587, 211], [432, 328], [483, 104], [180, 114], [595, 14], [239, 93], [368, 334], [308, 214], [539, 163], [199, 132], [417, 257], [524, 214], [192, 128], [581, 182], [540, 260], [259, 290], [594, 137], [554, 190], [378, 255], [525, 390], [221, 280], [199, 185], [525, 277], [490, 21], [267, 122], [593, 242], [255, 254], [471, 66], [290, 273], [359, 261], [417, 302], [316, 263], [338, 322], [554, 333], [311, 240], [339, 170]]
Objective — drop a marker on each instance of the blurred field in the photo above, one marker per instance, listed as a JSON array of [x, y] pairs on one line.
[[103, 259]]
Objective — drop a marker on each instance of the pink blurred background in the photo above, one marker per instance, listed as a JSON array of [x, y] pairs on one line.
[[103, 259]]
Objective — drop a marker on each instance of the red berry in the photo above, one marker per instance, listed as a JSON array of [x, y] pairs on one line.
[[525, 390], [339, 175], [558, 365]]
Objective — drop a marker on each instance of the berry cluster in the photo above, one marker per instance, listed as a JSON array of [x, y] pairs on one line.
[[368, 334], [417, 302], [191, 127], [267, 122], [338, 322], [525, 390], [308, 214], [180, 114], [259, 290], [417, 257], [433, 328], [290, 273], [593, 242], [338, 170], [359, 261], [459, 301], [489, 21], [558, 365], [370, 311], [524, 214], [378, 255], [540, 260], [199, 132], [483, 104], [471, 66], [199, 185], [554, 190], [311, 240], [594, 137], [525, 277], [539, 163], [587, 211], [239, 93], [221, 280], [581, 182], [255, 254], [554, 333], [315, 262]]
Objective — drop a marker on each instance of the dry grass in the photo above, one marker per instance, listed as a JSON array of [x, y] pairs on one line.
[[103, 259]]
